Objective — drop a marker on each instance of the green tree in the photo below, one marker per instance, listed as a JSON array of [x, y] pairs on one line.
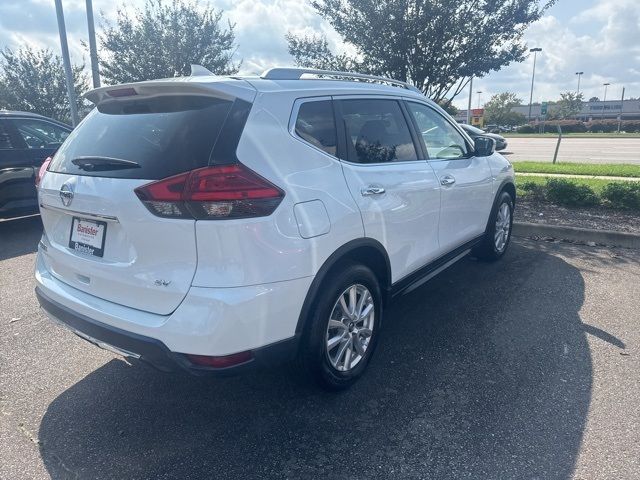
[[163, 40], [436, 45], [313, 51], [33, 80], [568, 106], [448, 107], [499, 110]]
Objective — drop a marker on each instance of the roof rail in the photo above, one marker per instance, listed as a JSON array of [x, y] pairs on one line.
[[290, 73]]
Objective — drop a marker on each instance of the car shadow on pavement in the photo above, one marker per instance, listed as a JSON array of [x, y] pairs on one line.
[[484, 372], [19, 236]]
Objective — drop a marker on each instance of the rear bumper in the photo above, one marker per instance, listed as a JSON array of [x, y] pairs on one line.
[[151, 350], [213, 322]]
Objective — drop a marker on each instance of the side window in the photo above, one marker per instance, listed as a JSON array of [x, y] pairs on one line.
[[316, 125], [440, 137], [5, 138], [376, 131], [40, 134]]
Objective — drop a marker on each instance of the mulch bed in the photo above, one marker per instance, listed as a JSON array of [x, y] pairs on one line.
[[597, 218]]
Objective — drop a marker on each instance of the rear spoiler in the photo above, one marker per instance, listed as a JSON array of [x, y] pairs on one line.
[[227, 88]]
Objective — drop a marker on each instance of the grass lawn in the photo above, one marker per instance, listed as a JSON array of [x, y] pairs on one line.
[[604, 169], [554, 134], [595, 183]]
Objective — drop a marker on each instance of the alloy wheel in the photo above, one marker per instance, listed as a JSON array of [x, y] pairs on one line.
[[503, 225], [350, 327]]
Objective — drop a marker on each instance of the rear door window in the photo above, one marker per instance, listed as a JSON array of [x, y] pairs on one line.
[[6, 143], [156, 137], [316, 125], [376, 131], [40, 134]]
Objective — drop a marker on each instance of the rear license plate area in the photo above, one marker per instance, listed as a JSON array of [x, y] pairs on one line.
[[87, 236]]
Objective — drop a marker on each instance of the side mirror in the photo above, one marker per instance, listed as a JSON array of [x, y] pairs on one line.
[[484, 146]]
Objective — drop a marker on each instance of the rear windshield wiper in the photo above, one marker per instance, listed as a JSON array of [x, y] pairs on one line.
[[99, 164]]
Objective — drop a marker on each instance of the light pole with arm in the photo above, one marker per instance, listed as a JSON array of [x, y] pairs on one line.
[[533, 76], [604, 101], [579, 74]]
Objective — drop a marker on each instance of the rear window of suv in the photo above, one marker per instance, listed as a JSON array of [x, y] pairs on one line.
[[164, 136]]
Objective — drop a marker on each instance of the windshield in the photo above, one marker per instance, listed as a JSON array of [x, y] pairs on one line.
[[472, 129]]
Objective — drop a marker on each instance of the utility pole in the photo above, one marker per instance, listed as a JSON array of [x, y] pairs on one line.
[[93, 53], [469, 106], [535, 53], [604, 101], [621, 108], [579, 74], [479, 93], [67, 63]]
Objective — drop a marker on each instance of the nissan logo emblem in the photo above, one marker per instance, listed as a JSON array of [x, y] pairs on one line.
[[66, 195]]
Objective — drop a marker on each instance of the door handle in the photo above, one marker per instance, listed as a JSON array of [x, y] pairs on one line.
[[447, 180], [372, 190]]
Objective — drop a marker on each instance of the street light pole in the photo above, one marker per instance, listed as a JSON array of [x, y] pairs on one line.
[[621, 109], [579, 74], [604, 101], [67, 63], [93, 54], [470, 97], [479, 93], [533, 76]]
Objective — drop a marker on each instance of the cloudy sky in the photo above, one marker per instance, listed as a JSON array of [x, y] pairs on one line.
[[599, 37]]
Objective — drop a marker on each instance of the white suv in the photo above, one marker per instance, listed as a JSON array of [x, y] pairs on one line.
[[215, 223]]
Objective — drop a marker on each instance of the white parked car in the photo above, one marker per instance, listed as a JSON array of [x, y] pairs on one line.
[[215, 223]]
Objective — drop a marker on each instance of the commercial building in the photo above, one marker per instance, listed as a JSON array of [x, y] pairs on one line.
[[611, 109]]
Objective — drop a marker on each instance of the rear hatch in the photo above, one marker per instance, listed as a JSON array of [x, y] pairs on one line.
[[99, 236]]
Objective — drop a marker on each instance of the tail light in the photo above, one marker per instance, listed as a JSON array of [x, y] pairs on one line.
[[43, 170], [212, 193]]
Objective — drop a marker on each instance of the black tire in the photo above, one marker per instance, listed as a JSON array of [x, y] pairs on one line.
[[488, 250], [313, 360]]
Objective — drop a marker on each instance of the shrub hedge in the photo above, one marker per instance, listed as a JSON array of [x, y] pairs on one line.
[[569, 193], [526, 129], [572, 193], [623, 195], [608, 126], [576, 126], [567, 126]]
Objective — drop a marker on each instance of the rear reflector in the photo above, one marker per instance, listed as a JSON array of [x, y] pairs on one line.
[[213, 193], [43, 170], [220, 362]]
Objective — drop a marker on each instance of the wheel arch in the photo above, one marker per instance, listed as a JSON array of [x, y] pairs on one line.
[[509, 187], [366, 251]]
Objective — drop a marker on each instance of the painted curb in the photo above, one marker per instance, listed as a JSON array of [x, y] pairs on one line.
[[584, 235]]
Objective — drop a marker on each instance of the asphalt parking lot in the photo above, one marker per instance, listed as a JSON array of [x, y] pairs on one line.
[[523, 369], [572, 149]]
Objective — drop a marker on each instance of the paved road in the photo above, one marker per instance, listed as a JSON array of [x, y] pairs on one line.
[[523, 369], [589, 150]]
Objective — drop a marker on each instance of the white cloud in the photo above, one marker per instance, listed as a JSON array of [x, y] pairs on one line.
[[603, 40], [607, 51]]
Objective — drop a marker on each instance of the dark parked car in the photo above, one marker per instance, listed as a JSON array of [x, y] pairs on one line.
[[26, 140], [501, 142]]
